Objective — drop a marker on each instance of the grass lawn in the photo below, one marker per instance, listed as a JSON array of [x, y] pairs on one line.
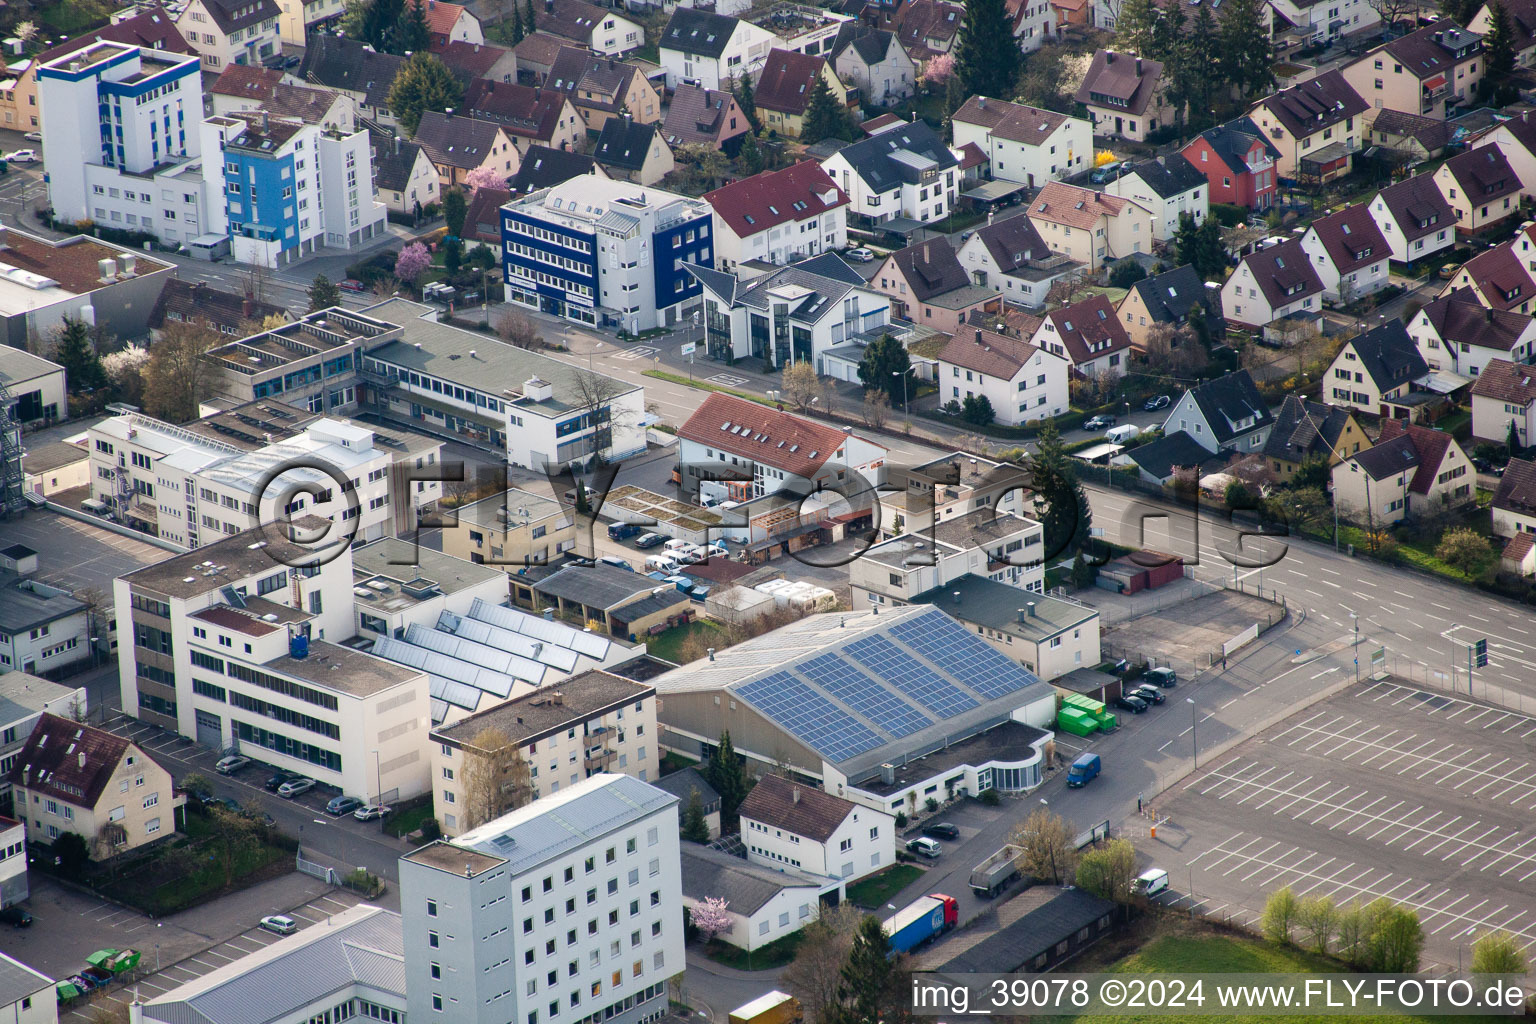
[[669, 644], [1458, 424], [877, 890], [409, 820], [776, 954], [74, 16], [174, 879], [672, 761]]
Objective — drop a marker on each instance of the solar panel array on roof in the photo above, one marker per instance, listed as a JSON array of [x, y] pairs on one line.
[[910, 676], [945, 642], [525, 669], [400, 652], [556, 657], [810, 716], [850, 685], [590, 644]]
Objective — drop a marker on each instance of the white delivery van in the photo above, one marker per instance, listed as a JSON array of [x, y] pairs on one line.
[[1150, 883], [95, 508], [662, 563], [1121, 434], [677, 545]]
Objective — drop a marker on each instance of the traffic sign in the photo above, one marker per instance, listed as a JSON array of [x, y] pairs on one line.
[[1480, 652], [689, 348]]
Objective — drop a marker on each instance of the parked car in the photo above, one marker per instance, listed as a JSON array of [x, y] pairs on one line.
[[276, 780], [282, 924], [859, 254], [1167, 678], [1109, 172], [293, 787], [1135, 705], [1099, 422], [33, 136], [368, 812], [340, 805], [623, 531], [1150, 694], [351, 284], [925, 848], [1157, 402], [942, 830], [649, 540], [15, 917], [22, 156], [232, 806], [231, 764]]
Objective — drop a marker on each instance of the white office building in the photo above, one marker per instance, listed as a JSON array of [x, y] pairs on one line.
[[564, 911]]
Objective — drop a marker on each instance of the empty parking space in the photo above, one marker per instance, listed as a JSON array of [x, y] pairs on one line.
[[1385, 790]]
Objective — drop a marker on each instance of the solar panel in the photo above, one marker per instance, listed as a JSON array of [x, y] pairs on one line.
[[590, 644], [964, 656], [433, 663], [454, 692], [911, 677], [475, 653], [553, 655], [818, 722], [865, 696]]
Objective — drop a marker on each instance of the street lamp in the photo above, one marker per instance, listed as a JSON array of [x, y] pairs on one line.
[[1194, 724], [906, 406], [1356, 620]]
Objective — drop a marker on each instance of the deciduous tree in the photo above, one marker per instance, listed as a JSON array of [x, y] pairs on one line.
[[1498, 952], [1109, 871], [1317, 918], [484, 177], [803, 386], [233, 833], [518, 329], [711, 917], [1463, 549], [178, 376], [496, 777], [1047, 845], [412, 261], [1397, 940], [1279, 919], [814, 976]]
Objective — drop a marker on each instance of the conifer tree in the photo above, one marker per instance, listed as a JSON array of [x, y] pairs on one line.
[[412, 34], [825, 117], [1247, 58], [1133, 29], [988, 59]]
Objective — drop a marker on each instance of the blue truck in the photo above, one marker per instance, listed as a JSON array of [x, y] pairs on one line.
[[1084, 770], [921, 920]]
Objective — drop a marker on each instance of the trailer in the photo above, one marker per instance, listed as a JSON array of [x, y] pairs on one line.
[[992, 875], [921, 920], [774, 1008]]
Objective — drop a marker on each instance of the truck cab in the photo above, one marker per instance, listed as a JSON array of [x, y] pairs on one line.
[[1083, 771]]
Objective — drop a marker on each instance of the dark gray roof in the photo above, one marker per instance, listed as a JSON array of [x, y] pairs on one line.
[[462, 142], [1234, 140], [931, 268], [699, 32], [17, 981], [996, 605], [544, 166], [663, 598], [230, 15], [1061, 913], [1395, 456], [391, 165], [1232, 398], [830, 264], [1177, 450], [1389, 355], [681, 784], [745, 886], [601, 585], [717, 281], [624, 143], [873, 45], [340, 63], [1305, 428], [1013, 243], [1169, 176], [1169, 296], [872, 158]]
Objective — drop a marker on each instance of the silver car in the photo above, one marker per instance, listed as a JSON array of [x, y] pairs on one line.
[[293, 787]]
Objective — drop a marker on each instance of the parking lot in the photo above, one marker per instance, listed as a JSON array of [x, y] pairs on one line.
[[1184, 632], [1386, 790]]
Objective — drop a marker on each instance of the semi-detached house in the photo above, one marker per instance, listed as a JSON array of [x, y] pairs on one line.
[[1088, 335], [928, 286], [1458, 334], [902, 173], [1011, 257], [1504, 393], [1414, 218], [1091, 227], [778, 216], [1424, 72], [1410, 470], [1349, 253], [1316, 126], [1024, 144], [1170, 187]]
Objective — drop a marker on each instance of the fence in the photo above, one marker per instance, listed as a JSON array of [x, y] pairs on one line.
[[309, 867], [1453, 681], [1093, 835]]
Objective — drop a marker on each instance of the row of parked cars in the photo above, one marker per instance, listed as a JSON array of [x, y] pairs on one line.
[[289, 785], [1137, 699]]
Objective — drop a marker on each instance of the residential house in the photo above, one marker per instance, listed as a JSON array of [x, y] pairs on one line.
[[631, 151], [1170, 187], [1316, 126], [689, 785], [1162, 460], [1271, 283], [196, 302], [1374, 372], [710, 50], [1504, 393], [1414, 138], [1424, 72], [1481, 187], [1414, 218], [1514, 503], [536, 55], [927, 285], [603, 88], [72, 777], [1223, 414], [801, 28], [785, 823], [778, 216], [1410, 470], [1024, 144], [1093, 228], [514, 527], [1310, 24], [543, 167], [874, 60], [763, 905], [451, 23], [243, 88], [1306, 430], [1125, 95], [1239, 164], [1022, 382], [1516, 139], [301, 17], [904, 173], [352, 67], [705, 117], [225, 32], [1522, 28], [1033, 22], [928, 28], [482, 218], [1349, 253], [23, 700], [457, 145], [1010, 256], [1177, 298], [1457, 333], [602, 30], [1088, 335], [1499, 278], [531, 115], [403, 174], [785, 86], [800, 313], [477, 60], [1519, 556]]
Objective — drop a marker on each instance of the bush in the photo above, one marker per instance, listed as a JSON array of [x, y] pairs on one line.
[[431, 831], [1126, 273], [931, 804], [901, 819], [990, 797], [1228, 215]]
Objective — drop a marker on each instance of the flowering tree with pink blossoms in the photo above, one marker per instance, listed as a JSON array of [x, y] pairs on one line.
[[413, 259], [939, 69], [711, 918], [485, 177]]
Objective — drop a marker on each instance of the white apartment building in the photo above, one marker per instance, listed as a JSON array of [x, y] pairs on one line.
[[190, 489], [229, 32], [903, 172], [238, 646], [23, 699], [296, 16], [778, 216], [1021, 382], [148, 177], [13, 866], [711, 50], [565, 911], [989, 544], [1025, 144], [582, 726], [790, 826]]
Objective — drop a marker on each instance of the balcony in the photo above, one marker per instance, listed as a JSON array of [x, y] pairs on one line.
[[599, 760]]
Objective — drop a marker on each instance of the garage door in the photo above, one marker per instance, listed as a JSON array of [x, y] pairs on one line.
[[210, 730]]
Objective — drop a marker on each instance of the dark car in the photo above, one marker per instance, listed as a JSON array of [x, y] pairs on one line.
[[1167, 678], [941, 830], [1150, 694], [15, 917], [649, 540], [1135, 705], [1157, 402], [276, 780], [623, 531], [1106, 173], [1099, 422], [1481, 465]]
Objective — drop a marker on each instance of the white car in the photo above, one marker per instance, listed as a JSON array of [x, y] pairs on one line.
[[231, 764], [280, 923], [22, 156], [293, 787], [368, 812], [859, 254], [33, 136]]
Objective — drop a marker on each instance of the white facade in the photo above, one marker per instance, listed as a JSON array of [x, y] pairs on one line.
[[790, 909], [38, 1006], [897, 570], [298, 15], [28, 697], [1245, 303], [1065, 150], [220, 49], [1344, 286], [927, 198], [825, 326], [1491, 418], [1037, 389], [1166, 210], [1025, 289], [47, 630], [1316, 23], [152, 180], [349, 211], [1466, 358], [583, 887], [13, 872], [743, 56], [1397, 235], [823, 231], [865, 842]]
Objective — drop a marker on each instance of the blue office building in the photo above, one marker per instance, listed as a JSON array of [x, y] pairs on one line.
[[606, 252]]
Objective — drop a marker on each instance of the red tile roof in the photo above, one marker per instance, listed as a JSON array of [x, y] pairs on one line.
[[442, 17], [1430, 445], [794, 807], [1012, 121], [771, 198], [1518, 548], [734, 425], [247, 81], [1060, 203], [1517, 488], [475, 59], [787, 81]]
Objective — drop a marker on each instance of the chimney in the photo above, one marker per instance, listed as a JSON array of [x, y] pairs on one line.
[[1488, 313], [1109, 56], [925, 252], [981, 103], [397, 143], [469, 871], [1138, 67], [794, 793], [1031, 607], [247, 307], [957, 597], [558, 699], [82, 759], [264, 120]]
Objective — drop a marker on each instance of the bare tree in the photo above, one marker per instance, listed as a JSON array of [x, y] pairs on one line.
[[1173, 349], [518, 329], [496, 777], [95, 601], [876, 405], [179, 374], [1392, 11], [814, 977], [594, 394], [803, 386], [1047, 845], [1240, 236]]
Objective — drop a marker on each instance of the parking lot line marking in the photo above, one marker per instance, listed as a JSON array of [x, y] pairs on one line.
[[221, 956], [1266, 849], [1369, 821], [1329, 878], [1475, 842], [301, 917], [203, 962]]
